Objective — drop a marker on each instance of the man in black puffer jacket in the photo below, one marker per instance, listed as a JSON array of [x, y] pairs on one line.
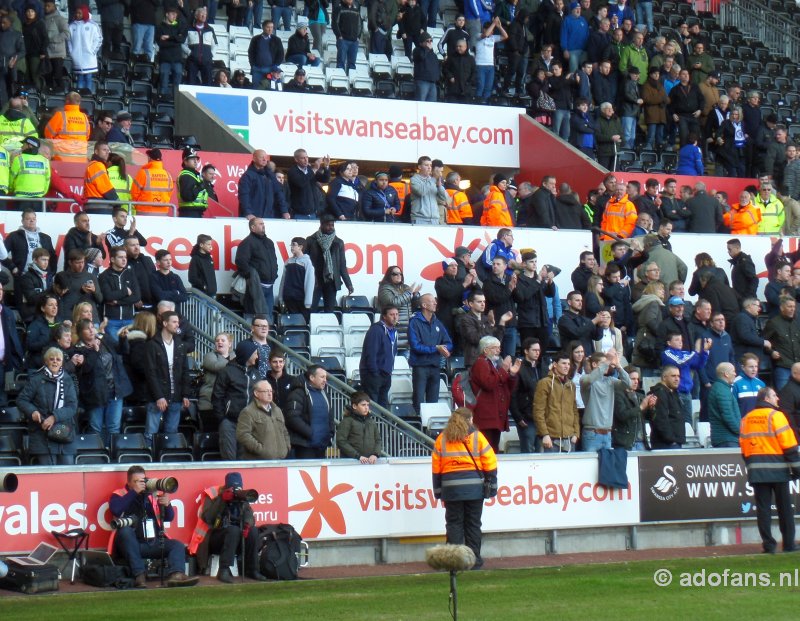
[[232, 392], [257, 252]]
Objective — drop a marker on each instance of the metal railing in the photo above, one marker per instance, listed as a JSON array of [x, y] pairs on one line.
[[756, 20], [90, 204], [208, 318]]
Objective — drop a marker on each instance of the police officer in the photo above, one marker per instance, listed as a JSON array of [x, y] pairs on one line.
[[193, 186], [15, 124], [223, 521], [30, 174], [769, 448], [153, 184]]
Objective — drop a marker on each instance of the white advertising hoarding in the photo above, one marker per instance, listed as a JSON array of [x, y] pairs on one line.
[[396, 500], [363, 129]]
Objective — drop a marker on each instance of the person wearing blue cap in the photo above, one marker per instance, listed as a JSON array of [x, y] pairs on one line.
[[574, 36], [223, 522]]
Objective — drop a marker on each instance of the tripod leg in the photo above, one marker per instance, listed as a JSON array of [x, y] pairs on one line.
[[454, 594]]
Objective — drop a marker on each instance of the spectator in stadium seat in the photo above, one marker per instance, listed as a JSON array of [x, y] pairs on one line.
[[700, 63], [460, 74], [257, 254], [542, 213], [608, 136], [747, 385], [347, 27], [555, 411], [667, 429], [82, 286], [302, 180], [164, 283], [21, 243], [574, 325], [427, 69], [47, 398], [569, 211], [201, 41], [790, 398], [522, 397], [582, 128], [685, 106], [32, 283], [297, 284], [586, 269], [298, 47], [170, 35], [120, 291], [240, 80], [517, 47], [731, 144], [80, 236], [326, 252], [381, 19], [450, 292], [705, 212], [411, 25], [143, 26], [142, 265], [121, 131], [473, 325], [344, 193], [265, 52], [260, 430], [168, 377], [574, 36], [746, 332], [377, 355], [282, 382], [260, 194], [103, 123], [379, 202], [357, 435], [84, 44], [454, 33], [309, 416], [690, 157], [791, 174], [723, 410], [493, 380], [598, 390], [429, 342], [499, 288], [426, 193], [202, 275], [232, 392], [783, 333], [484, 58]]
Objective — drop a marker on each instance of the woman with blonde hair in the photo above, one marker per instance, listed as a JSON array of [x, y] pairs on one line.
[[84, 310], [141, 331], [464, 469]]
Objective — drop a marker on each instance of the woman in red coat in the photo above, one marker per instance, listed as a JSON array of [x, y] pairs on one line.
[[493, 380]]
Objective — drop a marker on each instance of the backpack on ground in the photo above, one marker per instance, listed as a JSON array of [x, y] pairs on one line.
[[463, 393], [116, 576], [279, 547]]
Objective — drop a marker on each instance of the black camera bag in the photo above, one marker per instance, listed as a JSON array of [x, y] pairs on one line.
[[279, 547], [107, 576]]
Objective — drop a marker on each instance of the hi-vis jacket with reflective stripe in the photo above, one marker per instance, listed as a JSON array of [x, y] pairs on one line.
[[455, 476], [769, 446]]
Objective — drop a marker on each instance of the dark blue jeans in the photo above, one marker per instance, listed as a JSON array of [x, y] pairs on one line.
[[377, 387], [425, 382], [134, 551], [346, 54]]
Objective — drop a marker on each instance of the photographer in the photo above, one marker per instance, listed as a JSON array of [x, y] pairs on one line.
[[222, 522], [143, 537]]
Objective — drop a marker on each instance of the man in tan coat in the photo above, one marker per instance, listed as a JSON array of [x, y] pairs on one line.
[[261, 430]]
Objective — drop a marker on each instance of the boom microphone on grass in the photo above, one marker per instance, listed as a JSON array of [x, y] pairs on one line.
[[452, 558], [9, 483]]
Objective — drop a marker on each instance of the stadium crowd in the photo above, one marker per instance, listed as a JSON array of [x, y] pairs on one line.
[[603, 76], [118, 333]]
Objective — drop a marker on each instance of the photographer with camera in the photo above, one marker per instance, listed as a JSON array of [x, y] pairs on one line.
[[223, 522], [140, 510]]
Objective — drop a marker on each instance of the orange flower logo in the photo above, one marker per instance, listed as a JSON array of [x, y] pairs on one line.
[[434, 270], [322, 505]]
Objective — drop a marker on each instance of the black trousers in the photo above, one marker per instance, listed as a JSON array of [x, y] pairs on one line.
[[227, 541], [377, 387], [463, 523], [783, 502]]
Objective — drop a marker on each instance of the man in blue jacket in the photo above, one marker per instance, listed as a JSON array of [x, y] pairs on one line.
[[260, 194], [377, 356], [429, 341], [574, 36]]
